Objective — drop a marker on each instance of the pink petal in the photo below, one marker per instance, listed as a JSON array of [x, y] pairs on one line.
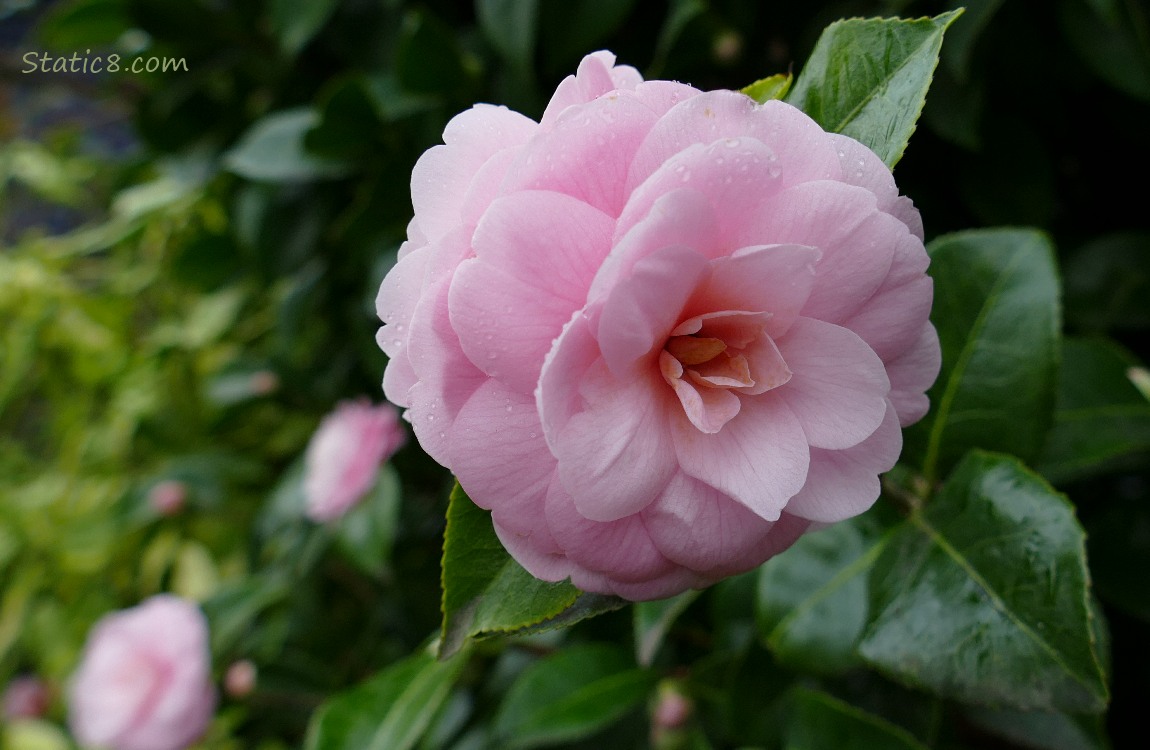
[[680, 218], [586, 153], [862, 167], [616, 455], [770, 278], [662, 586], [891, 320], [839, 387], [844, 483], [707, 408], [592, 79], [621, 549], [912, 373], [759, 458], [857, 241], [499, 427], [535, 558], [442, 176], [800, 148], [639, 313], [535, 256]]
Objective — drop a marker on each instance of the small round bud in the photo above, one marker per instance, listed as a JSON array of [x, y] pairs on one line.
[[168, 497], [240, 679]]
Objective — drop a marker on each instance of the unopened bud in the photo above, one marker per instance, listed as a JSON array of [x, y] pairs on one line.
[[167, 497], [240, 679], [25, 698]]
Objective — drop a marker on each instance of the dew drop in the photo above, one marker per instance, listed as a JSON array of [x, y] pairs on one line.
[[509, 408]]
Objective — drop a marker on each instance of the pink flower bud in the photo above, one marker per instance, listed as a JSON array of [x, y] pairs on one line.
[[240, 679], [344, 455], [25, 698], [168, 497]]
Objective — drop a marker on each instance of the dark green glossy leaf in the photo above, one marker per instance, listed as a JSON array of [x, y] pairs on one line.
[[1042, 731], [511, 26], [984, 595], [867, 78], [391, 711], [1102, 420], [1108, 283], [273, 150], [771, 87], [570, 695], [654, 619], [822, 721], [997, 315], [367, 531], [486, 591], [812, 601], [295, 22]]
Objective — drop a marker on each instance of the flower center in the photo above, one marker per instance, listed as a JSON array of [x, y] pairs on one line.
[[713, 360]]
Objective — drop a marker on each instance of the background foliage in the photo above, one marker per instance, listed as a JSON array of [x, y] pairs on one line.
[[186, 283]]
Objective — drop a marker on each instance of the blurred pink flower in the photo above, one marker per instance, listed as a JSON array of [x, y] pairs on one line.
[[660, 332], [144, 681], [168, 497], [25, 698], [344, 455], [240, 679]]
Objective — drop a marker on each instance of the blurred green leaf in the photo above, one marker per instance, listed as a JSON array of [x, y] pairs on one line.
[[78, 25], [812, 601], [679, 17], [1102, 420], [984, 595], [486, 591], [366, 533], [273, 150], [428, 58], [652, 621], [391, 101], [822, 721], [574, 27], [771, 87], [1108, 283], [391, 711], [1042, 731], [570, 695], [1119, 544], [511, 26], [295, 22], [961, 38], [1113, 42], [997, 315], [867, 78], [32, 734]]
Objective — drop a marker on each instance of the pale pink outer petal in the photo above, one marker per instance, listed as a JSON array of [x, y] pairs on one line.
[[535, 558], [673, 582], [498, 428], [801, 149], [776, 279], [586, 152], [594, 77], [443, 174], [759, 458], [857, 241], [639, 313], [700, 528], [862, 167], [616, 455], [845, 483], [839, 386], [912, 373], [621, 549], [536, 253]]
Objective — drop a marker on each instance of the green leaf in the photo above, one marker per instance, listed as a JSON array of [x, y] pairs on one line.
[[1112, 42], [570, 695], [1108, 283], [511, 27], [822, 721], [391, 711], [997, 315], [428, 58], [273, 150], [867, 78], [295, 22], [1102, 420], [654, 619], [366, 533], [485, 591], [1048, 731], [771, 87], [811, 603], [984, 597], [961, 39]]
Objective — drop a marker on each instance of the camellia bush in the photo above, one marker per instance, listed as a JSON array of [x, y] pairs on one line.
[[684, 376]]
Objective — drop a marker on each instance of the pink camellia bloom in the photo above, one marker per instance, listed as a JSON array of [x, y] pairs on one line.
[[145, 681], [344, 455], [659, 333]]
